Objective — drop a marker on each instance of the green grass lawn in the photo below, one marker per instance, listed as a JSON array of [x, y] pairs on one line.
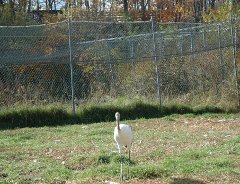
[[174, 149]]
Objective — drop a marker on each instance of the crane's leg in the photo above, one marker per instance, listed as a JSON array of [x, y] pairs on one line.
[[128, 163], [121, 172], [121, 162]]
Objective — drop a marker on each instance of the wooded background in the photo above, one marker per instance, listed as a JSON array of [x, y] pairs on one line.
[[22, 12]]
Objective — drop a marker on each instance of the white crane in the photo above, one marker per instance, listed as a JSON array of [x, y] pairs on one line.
[[123, 137]]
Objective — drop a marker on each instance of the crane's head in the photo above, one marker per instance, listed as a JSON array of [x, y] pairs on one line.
[[117, 115]]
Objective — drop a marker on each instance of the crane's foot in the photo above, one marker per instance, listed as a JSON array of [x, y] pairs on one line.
[[121, 178], [124, 178]]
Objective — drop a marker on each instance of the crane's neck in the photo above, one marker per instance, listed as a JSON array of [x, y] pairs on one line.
[[117, 123]]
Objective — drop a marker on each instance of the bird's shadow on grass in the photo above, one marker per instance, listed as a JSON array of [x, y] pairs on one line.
[[186, 181]]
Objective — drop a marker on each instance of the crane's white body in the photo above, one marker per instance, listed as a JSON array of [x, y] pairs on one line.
[[123, 136]]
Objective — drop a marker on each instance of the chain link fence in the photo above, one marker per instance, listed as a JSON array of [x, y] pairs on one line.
[[160, 63]]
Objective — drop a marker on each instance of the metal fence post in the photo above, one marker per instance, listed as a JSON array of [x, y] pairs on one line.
[[220, 51], [131, 45], [70, 56], [113, 79], [181, 47], [192, 54], [192, 59], [234, 45], [156, 65], [204, 38]]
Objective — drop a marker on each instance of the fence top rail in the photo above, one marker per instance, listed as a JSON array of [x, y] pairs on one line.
[[37, 25], [178, 33], [197, 25], [110, 22]]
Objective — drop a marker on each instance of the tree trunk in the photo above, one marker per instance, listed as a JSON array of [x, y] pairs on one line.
[[87, 4], [143, 9], [125, 6], [29, 6], [212, 3]]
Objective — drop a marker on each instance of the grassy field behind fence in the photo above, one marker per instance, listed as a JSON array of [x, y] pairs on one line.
[[173, 149]]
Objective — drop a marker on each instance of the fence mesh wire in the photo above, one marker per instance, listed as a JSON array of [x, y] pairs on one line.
[[196, 65]]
